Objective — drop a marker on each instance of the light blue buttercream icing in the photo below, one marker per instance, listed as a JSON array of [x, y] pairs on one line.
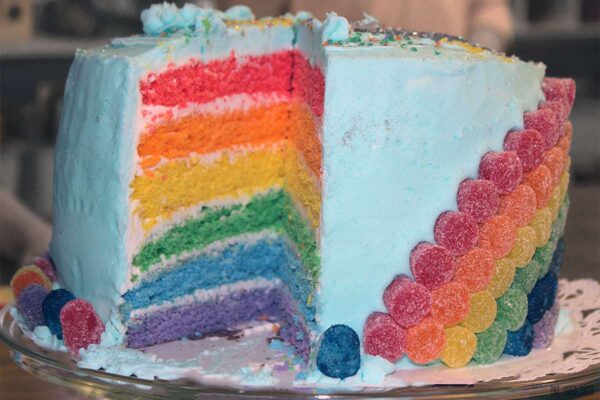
[[335, 28], [239, 13]]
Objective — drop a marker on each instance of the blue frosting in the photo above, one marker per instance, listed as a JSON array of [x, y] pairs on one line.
[[162, 18], [335, 28], [239, 13], [210, 24], [268, 258]]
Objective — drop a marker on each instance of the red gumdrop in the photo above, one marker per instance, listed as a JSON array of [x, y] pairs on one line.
[[383, 337], [529, 146], [504, 169], [45, 264], [407, 301], [474, 270], [559, 108], [425, 341], [80, 324], [451, 304], [478, 198], [565, 140], [540, 180], [498, 235], [432, 265], [456, 231], [545, 122], [560, 89], [519, 205], [554, 159]]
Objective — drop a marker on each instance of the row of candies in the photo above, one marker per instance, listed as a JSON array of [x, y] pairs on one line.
[[72, 320]]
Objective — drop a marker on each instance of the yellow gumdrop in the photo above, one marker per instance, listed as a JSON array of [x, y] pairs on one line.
[[504, 273], [555, 202], [542, 224], [524, 247], [568, 164], [482, 311], [460, 346], [563, 184]]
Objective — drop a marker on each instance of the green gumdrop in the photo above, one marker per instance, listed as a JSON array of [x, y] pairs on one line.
[[512, 309], [490, 344], [543, 255], [526, 277]]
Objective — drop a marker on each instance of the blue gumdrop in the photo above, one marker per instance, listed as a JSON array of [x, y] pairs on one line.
[[339, 352], [51, 307], [557, 257], [519, 342], [541, 297]]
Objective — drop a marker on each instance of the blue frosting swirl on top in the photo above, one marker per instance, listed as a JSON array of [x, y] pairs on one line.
[[335, 28]]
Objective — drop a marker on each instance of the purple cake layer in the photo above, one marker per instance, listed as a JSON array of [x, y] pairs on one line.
[[221, 313]]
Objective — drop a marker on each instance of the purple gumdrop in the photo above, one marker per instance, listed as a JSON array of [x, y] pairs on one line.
[[543, 330], [29, 303]]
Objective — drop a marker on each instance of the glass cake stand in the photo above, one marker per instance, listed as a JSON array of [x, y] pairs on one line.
[[60, 368]]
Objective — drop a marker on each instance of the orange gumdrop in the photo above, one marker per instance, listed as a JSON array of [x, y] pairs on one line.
[[474, 270], [425, 341], [27, 276], [564, 142], [450, 303], [519, 205], [554, 159], [540, 180], [497, 235]]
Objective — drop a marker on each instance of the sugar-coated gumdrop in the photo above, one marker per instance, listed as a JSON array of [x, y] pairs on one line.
[[497, 235], [29, 302], [51, 307], [425, 341], [519, 205], [432, 265], [456, 231], [26, 276], [564, 142], [524, 247], [542, 224], [543, 330], [512, 309], [545, 122], [541, 297], [504, 169], [450, 304], [557, 257], [407, 301], [519, 342], [559, 89], [47, 266], [383, 337], [544, 256], [564, 183], [555, 203], [504, 274], [339, 352], [490, 344], [460, 347], [561, 221], [555, 160], [525, 278], [540, 180], [475, 269], [529, 146], [559, 109], [479, 198], [81, 326], [482, 312]]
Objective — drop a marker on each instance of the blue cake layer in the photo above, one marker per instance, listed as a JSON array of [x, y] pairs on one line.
[[269, 258]]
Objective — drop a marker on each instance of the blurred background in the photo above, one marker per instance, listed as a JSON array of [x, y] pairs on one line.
[[38, 38]]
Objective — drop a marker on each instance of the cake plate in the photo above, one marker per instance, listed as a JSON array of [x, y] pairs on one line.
[[571, 367]]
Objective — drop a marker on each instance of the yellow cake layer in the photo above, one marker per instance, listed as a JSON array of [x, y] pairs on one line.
[[226, 175]]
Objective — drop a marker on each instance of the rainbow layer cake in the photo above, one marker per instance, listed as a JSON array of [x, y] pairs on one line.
[[370, 192]]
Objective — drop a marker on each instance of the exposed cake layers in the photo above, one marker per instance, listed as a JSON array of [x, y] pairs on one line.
[[227, 191]]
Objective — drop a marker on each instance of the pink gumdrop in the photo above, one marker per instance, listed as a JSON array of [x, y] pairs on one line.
[[407, 301], [46, 265], [456, 231], [504, 169], [560, 89], [80, 324], [479, 198], [559, 108], [529, 146], [383, 337], [545, 122], [432, 265]]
